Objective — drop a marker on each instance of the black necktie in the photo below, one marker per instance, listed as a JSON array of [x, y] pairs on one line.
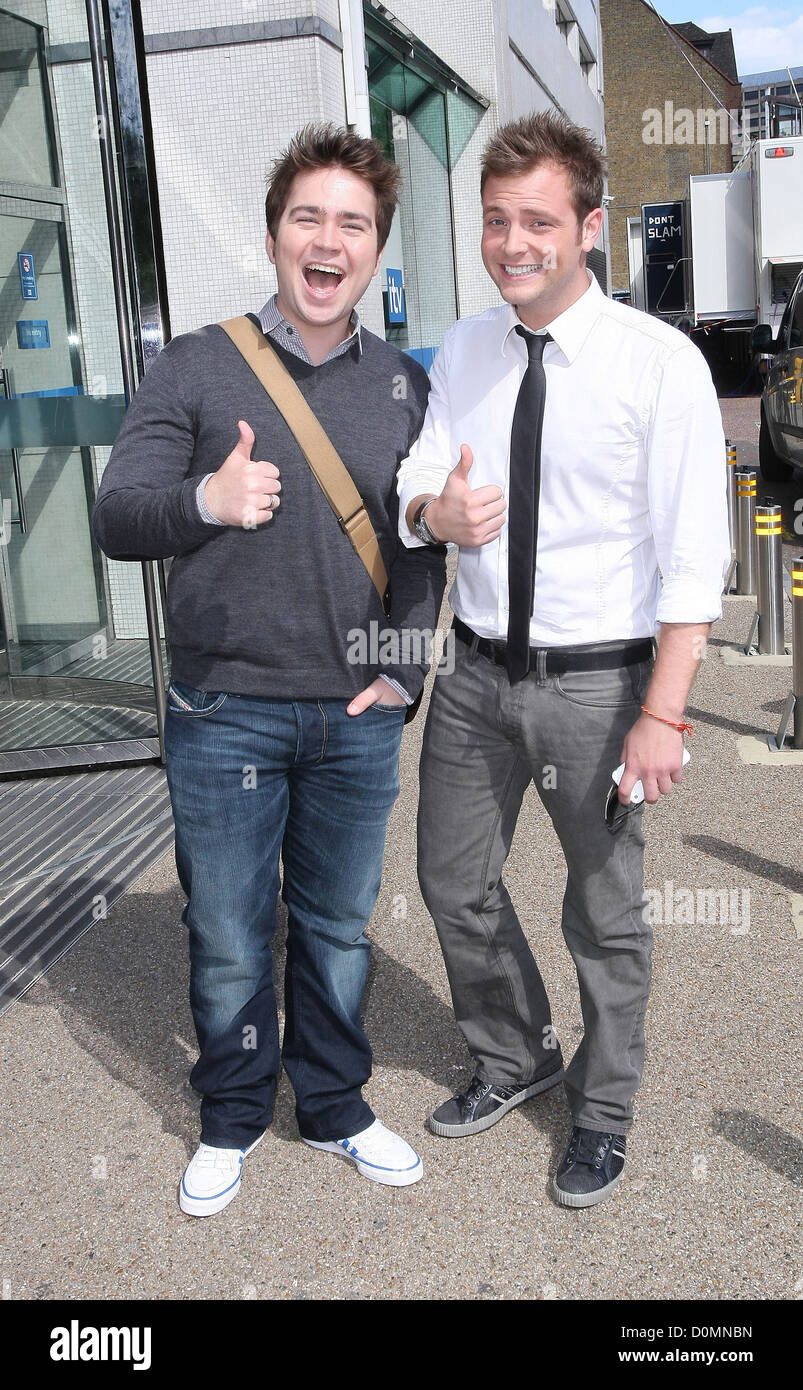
[[525, 481]]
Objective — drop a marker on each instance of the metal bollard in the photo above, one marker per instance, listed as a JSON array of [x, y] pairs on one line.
[[794, 703], [730, 460], [769, 578], [730, 492], [745, 531], [798, 648]]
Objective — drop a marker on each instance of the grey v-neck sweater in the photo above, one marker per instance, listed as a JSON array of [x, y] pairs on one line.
[[273, 611]]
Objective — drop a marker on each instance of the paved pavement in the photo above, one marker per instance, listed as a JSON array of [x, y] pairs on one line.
[[99, 1119]]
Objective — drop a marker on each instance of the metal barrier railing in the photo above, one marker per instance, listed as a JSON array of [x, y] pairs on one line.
[[756, 567]]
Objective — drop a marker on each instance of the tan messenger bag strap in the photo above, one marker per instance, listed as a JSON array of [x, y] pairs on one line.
[[335, 480]]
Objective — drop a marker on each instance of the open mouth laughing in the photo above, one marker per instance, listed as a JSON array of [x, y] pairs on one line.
[[322, 280]]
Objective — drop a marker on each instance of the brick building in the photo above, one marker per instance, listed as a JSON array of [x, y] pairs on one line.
[[718, 47], [660, 90]]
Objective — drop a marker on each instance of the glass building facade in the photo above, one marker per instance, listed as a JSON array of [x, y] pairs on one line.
[[97, 97], [422, 116], [77, 632]]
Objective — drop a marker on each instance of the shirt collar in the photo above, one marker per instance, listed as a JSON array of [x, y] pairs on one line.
[[273, 321], [571, 328]]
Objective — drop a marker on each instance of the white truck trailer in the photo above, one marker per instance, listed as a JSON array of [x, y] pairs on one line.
[[778, 224], [747, 237], [722, 248]]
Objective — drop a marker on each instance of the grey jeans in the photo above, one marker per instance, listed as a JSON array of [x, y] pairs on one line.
[[484, 742]]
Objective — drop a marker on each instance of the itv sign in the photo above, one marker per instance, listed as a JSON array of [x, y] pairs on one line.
[[396, 308]]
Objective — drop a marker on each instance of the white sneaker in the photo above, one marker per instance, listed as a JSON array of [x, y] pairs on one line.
[[379, 1154], [212, 1179]]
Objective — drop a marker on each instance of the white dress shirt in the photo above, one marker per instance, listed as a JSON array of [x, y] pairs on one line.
[[632, 523]]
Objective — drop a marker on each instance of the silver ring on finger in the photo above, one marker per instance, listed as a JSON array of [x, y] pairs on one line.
[[273, 502]]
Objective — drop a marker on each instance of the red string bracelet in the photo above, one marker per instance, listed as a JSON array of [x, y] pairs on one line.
[[681, 728]]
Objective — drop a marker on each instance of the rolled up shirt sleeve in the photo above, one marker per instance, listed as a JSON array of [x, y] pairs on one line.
[[686, 486], [399, 688], [429, 461]]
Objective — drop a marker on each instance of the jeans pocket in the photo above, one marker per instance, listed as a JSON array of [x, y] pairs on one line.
[[640, 676], [389, 709], [598, 689], [186, 700]]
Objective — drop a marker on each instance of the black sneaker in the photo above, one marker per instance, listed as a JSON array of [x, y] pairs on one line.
[[484, 1103], [590, 1168]]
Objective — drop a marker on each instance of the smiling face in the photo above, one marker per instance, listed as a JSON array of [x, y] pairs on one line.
[[325, 252], [533, 244]]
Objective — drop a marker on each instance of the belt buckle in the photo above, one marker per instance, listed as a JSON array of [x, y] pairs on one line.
[[345, 521]]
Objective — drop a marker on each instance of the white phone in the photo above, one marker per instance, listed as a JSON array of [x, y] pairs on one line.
[[637, 794]]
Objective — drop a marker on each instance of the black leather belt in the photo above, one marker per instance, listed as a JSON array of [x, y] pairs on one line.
[[554, 661]]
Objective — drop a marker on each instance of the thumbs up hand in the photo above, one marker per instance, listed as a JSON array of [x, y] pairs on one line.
[[464, 464], [468, 516], [244, 491]]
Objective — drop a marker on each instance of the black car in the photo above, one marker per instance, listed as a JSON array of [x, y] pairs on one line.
[[780, 440]]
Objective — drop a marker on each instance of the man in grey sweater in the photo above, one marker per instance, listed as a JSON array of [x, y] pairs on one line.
[[279, 741]]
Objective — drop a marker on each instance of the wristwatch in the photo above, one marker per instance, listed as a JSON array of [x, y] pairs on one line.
[[420, 525]]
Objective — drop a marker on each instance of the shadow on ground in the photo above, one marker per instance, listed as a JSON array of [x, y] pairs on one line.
[[122, 994], [762, 1140], [756, 864]]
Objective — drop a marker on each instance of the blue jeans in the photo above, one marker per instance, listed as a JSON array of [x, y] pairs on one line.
[[250, 778]]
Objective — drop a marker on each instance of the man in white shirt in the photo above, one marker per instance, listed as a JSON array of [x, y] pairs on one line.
[[598, 428]]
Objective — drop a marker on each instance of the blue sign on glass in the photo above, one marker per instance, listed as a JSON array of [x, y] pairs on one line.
[[396, 308], [33, 333], [27, 275]]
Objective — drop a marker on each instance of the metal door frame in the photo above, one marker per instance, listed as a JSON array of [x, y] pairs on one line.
[[52, 210], [125, 48], [137, 258]]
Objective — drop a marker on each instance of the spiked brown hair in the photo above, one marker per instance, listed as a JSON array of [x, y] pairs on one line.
[[327, 146], [546, 137]]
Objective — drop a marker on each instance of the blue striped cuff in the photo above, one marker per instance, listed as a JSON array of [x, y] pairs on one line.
[[206, 515]]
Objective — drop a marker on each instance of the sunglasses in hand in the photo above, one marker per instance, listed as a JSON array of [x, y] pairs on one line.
[[616, 810]]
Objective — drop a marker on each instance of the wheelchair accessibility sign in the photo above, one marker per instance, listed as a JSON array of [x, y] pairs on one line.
[[27, 275]]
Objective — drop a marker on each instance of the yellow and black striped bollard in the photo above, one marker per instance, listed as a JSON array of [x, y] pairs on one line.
[[769, 578], [745, 531], [730, 460], [794, 703]]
